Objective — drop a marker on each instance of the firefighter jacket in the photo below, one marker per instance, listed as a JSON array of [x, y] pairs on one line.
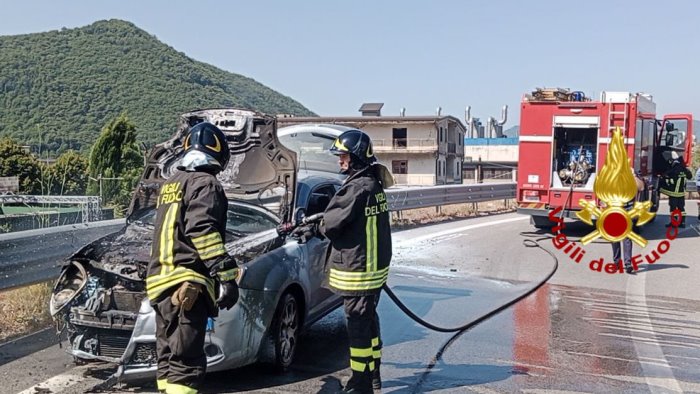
[[356, 222], [673, 180], [189, 229]]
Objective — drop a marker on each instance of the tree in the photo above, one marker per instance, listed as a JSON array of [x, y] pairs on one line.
[[68, 175], [15, 161], [116, 155]]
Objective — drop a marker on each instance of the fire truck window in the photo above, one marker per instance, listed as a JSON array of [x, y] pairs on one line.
[[674, 134]]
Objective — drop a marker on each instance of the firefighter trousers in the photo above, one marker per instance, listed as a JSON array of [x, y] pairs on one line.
[[180, 345], [677, 202], [623, 252], [365, 341]]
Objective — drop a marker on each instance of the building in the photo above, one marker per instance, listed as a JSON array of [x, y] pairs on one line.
[[419, 150], [490, 159], [489, 156]]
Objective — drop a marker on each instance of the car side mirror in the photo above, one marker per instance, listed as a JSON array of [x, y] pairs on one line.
[[299, 214]]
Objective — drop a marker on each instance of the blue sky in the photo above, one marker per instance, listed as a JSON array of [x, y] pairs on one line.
[[334, 55]]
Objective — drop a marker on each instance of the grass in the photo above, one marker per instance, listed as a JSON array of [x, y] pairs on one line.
[[24, 310]]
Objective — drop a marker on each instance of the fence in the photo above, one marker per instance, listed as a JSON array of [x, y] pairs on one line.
[[31, 256]]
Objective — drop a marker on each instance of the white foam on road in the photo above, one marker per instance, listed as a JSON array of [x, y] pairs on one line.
[[439, 234], [55, 384], [659, 377]]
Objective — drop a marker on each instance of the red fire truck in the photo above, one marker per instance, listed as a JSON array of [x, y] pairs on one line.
[[564, 138]]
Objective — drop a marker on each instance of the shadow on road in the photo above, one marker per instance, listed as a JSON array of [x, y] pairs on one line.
[[656, 267], [445, 376]]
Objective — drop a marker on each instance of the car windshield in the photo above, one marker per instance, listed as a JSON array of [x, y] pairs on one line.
[[240, 219], [312, 149]]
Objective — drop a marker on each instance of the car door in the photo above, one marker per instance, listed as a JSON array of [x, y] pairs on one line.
[[321, 298]]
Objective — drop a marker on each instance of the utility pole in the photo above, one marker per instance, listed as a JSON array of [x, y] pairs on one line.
[[99, 179]]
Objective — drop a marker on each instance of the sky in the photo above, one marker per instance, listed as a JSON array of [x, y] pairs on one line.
[[332, 56]]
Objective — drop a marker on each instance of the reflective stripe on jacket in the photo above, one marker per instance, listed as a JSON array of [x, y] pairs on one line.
[[357, 223], [673, 184], [189, 228]]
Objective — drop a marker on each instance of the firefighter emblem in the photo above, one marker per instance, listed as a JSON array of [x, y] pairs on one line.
[[615, 186]]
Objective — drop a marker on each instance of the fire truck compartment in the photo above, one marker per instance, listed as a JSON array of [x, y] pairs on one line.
[[574, 152]]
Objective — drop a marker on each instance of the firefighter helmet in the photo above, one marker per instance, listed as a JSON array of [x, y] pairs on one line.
[[208, 139], [358, 145]]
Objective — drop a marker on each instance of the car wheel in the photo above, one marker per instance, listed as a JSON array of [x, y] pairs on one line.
[[285, 332]]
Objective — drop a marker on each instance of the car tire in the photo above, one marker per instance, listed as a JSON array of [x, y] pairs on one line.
[[284, 333]]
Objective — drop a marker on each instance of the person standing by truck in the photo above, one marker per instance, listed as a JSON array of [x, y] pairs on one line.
[[623, 249], [697, 189], [673, 185]]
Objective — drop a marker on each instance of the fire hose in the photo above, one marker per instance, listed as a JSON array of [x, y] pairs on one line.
[[527, 242]]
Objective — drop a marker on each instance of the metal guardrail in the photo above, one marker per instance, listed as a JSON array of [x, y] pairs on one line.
[[433, 196], [33, 256]]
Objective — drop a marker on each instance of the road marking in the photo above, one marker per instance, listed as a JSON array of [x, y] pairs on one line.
[[484, 390], [458, 230], [663, 379], [55, 384], [651, 361]]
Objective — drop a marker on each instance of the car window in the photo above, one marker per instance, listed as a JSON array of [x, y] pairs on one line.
[[312, 149], [319, 199], [240, 219], [246, 220], [146, 217]]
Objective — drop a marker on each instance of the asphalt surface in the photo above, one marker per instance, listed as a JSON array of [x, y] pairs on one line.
[[585, 331]]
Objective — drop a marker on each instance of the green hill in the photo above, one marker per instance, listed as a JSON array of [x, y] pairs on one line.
[[61, 87]]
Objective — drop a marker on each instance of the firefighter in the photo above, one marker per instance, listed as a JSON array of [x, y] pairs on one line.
[[673, 185], [697, 188], [357, 223], [189, 266]]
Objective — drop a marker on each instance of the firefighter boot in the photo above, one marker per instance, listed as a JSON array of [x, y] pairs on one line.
[[376, 377], [359, 383]]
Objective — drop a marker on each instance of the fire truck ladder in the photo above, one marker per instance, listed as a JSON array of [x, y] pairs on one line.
[[617, 110]]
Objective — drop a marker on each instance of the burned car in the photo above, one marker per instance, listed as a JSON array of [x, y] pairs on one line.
[[99, 298]]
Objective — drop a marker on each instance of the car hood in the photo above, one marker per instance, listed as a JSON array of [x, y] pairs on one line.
[[120, 260], [261, 170]]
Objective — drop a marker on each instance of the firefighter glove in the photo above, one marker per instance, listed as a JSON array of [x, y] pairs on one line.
[[222, 268], [285, 228], [186, 295], [228, 295], [305, 233]]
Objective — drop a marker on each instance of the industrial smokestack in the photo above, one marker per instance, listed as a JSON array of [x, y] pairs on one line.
[[494, 128], [504, 116]]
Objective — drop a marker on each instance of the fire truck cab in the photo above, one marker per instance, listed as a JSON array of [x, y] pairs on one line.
[[564, 138]]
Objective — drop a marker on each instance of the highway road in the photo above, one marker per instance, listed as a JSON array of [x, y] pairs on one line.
[[585, 331]]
